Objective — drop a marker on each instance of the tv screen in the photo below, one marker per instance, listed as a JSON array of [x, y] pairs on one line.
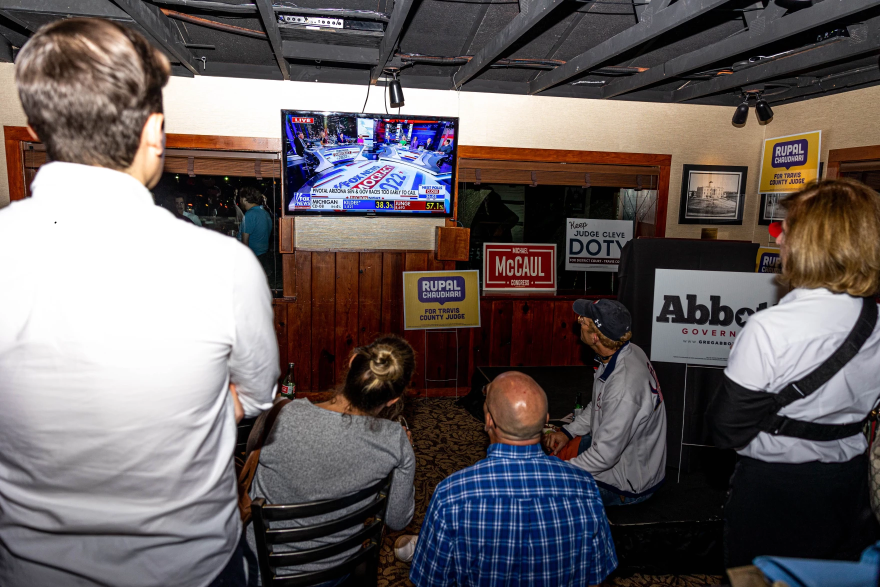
[[346, 163]]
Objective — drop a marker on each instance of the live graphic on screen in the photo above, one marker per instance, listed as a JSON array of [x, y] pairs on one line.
[[344, 163]]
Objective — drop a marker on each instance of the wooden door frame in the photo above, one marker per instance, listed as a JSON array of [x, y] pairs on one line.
[[664, 162], [838, 156], [14, 136]]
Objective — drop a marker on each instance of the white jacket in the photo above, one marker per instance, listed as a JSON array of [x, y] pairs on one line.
[[627, 420]]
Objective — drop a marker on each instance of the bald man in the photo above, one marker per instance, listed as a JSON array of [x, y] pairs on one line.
[[518, 517]]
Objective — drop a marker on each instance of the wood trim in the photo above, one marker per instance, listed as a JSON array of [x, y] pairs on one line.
[[562, 156], [838, 156], [664, 162], [662, 201], [868, 153], [15, 135], [14, 167], [218, 143]]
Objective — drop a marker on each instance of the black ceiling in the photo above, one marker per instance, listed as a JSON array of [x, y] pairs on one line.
[[691, 51]]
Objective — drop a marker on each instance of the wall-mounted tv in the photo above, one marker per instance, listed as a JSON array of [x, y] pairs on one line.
[[340, 163]]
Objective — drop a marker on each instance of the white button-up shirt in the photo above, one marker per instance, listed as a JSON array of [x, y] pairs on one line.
[[121, 328], [782, 344]]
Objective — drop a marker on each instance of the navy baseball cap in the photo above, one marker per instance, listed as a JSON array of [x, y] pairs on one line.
[[610, 316]]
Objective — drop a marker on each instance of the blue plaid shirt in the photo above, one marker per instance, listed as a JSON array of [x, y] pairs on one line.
[[516, 518]]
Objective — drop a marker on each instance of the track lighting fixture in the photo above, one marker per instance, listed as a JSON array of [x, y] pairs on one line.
[[763, 110], [742, 113], [395, 93]]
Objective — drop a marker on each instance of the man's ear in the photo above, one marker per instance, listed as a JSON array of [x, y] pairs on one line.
[[153, 135], [33, 133]]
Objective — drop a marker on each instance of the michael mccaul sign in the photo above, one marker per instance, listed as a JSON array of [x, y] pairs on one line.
[[698, 314], [595, 245]]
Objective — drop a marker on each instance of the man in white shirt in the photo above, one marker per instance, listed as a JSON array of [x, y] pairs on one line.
[[621, 435], [117, 351]]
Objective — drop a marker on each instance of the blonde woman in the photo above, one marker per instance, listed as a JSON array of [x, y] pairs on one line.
[[793, 413]]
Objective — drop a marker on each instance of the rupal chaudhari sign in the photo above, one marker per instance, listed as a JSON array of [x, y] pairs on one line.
[[595, 245], [789, 163], [699, 314], [441, 299]]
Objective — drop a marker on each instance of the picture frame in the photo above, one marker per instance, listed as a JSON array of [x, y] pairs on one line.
[[712, 194], [770, 210]]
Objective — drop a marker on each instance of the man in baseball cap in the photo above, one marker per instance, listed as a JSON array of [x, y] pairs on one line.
[[620, 437]]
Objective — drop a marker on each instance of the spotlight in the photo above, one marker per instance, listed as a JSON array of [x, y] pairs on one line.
[[742, 113], [763, 111], [395, 93]]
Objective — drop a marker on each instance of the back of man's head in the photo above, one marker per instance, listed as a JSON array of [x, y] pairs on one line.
[[88, 87], [518, 407], [251, 195]]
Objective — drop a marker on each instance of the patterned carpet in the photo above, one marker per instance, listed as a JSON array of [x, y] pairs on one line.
[[446, 439]]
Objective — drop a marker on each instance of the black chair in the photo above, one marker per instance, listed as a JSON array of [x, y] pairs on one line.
[[370, 519]]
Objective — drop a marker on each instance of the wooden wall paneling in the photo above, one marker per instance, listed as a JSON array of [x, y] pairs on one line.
[[563, 333], [347, 298], [392, 293], [522, 335], [562, 155], [417, 262], [288, 274], [279, 308], [299, 322], [369, 297], [483, 336], [323, 320], [502, 327], [542, 332]]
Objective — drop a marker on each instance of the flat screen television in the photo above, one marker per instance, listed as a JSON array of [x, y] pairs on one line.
[[342, 163]]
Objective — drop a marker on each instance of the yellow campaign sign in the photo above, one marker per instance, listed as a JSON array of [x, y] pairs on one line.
[[789, 163], [441, 299], [768, 261]]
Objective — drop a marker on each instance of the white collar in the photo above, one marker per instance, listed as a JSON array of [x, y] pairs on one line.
[[59, 183], [802, 293]]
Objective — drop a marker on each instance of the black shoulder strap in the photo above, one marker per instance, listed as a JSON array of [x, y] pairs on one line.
[[819, 376], [263, 426]]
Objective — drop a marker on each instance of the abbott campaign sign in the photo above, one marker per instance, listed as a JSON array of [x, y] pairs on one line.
[[698, 314], [595, 245], [519, 267], [790, 163], [441, 299]]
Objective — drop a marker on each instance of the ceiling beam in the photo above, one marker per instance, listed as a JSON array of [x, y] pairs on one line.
[[333, 53], [531, 13], [651, 25], [864, 38], [393, 29], [765, 29], [161, 29], [830, 84], [270, 25], [5, 50]]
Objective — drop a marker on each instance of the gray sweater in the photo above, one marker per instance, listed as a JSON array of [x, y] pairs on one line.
[[315, 454]]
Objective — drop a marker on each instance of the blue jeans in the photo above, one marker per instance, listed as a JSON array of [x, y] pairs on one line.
[[609, 498]]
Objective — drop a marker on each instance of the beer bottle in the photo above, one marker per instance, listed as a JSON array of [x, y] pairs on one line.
[[288, 386], [578, 405]]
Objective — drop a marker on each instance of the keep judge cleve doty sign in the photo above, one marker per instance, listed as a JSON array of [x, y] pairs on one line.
[[519, 267]]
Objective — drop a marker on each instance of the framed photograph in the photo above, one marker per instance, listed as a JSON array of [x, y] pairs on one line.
[[770, 210], [712, 194]]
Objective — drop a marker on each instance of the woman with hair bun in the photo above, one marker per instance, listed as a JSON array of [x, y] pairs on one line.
[[348, 443]]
